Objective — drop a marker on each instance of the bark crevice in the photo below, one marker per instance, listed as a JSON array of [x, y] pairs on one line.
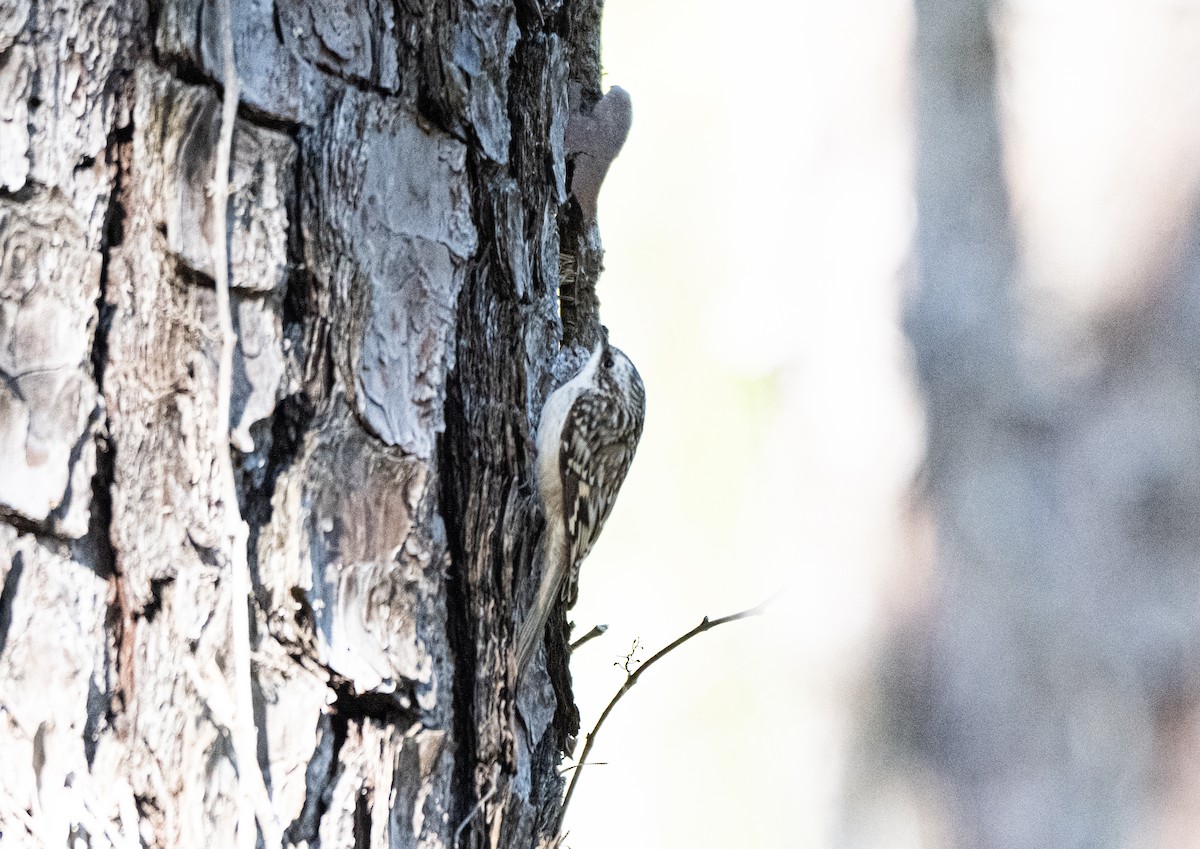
[[8, 592], [319, 775], [459, 632]]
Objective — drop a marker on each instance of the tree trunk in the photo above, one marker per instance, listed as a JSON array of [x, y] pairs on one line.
[[398, 199], [1045, 686]]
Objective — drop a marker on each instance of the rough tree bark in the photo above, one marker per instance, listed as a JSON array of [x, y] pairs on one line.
[[398, 213]]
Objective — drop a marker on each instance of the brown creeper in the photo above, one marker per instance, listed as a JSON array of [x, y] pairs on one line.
[[588, 433]]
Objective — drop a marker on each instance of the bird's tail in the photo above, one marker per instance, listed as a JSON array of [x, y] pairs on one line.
[[534, 626]]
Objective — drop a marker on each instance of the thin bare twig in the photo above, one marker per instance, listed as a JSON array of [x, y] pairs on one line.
[[574, 767], [478, 807], [252, 792], [210, 686], [631, 678], [627, 662], [220, 248], [596, 631]]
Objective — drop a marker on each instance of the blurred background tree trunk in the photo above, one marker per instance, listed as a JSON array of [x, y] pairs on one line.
[[398, 174], [1044, 692]]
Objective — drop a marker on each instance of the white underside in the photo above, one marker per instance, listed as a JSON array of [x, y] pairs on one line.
[[554, 548]]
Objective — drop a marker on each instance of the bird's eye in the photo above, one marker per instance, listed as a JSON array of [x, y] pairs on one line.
[[607, 360]]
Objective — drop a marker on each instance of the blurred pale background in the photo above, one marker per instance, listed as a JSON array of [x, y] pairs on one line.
[[754, 226], [758, 229]]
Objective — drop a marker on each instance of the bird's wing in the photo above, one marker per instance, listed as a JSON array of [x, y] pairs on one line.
[[594, 457]]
